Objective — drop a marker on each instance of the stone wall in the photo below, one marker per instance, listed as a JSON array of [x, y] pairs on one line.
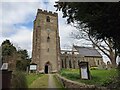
[[79, 86]]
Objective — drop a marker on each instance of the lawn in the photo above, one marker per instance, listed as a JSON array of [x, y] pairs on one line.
[[58, 84], [98, 77], [32, 77], [40, 82]]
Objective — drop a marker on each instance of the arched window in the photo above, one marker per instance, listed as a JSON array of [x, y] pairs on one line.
[[48, 19], [48, 39], [78, 62], [65, 63], [73, 64], [98, 62], [70, 65], [62, 64]]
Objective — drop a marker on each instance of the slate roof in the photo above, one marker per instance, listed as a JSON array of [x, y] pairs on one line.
[[87, 51]]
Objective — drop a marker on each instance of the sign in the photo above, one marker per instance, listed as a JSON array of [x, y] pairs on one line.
[[84, 74], [84, 70], [33, 67]]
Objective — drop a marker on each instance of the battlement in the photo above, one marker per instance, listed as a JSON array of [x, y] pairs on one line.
[[47, 12]]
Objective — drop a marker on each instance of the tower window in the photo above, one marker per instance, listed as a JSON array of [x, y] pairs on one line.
[[48, 50], [48, 39], [48, 19]]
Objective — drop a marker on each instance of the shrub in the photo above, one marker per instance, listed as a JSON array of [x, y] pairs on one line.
[[93, 68], [18, 80]]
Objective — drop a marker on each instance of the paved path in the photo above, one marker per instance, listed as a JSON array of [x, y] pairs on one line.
[[46, 81], [51, 82]]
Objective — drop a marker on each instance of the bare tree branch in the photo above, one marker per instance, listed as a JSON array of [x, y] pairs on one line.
[[99, 47]]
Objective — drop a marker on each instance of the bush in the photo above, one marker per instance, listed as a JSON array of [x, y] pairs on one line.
[[93, 68], [18, 80]]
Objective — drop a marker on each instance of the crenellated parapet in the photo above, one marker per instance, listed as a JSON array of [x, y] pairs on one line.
[[47, 12]]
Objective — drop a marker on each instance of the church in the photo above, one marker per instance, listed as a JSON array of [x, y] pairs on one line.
[[46, 53], [71, 58]]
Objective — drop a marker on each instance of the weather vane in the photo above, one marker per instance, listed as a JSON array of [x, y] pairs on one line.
[[46, 2]]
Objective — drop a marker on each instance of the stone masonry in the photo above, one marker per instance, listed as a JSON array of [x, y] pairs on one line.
[[46, 42]]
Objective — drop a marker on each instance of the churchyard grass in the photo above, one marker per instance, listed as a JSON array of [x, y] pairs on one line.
[[58, 84], [32, 77], [40, 82], [98, 77]]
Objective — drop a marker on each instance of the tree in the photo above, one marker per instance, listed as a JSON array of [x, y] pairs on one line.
[[16, 59], [102, 19], [105, 46], [23, 60], [9, 54], [7, 49]]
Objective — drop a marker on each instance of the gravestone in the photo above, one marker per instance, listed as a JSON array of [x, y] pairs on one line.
[[6, 76], [84, 70]]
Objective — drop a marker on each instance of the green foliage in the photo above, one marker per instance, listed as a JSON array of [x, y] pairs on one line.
[[19, 80], [22, 61], [93, 68], [98, 17], [21, 65], [98, 77], [7, 50], [21, 56]]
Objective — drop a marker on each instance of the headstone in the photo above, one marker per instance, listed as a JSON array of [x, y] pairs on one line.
[[6, 76], [84, 70], [4, 66]]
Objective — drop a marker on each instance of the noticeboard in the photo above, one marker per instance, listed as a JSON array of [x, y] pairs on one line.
[[84, 70], [33, 67]]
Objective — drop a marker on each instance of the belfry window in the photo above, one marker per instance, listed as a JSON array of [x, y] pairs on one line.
[[48, 19]]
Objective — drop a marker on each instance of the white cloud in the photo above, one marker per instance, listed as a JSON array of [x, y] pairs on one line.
[[21, 39], [15, 14], [29, 0], [20, 12], [20, 0]]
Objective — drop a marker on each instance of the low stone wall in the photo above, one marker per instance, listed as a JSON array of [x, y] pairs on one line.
[[79, 86]]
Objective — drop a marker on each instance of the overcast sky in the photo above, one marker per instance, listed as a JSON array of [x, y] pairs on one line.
[[16, 23]]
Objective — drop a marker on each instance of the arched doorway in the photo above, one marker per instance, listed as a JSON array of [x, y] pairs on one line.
[[47, 68]]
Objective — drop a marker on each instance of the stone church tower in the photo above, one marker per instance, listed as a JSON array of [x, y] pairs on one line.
[[46, 42]]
